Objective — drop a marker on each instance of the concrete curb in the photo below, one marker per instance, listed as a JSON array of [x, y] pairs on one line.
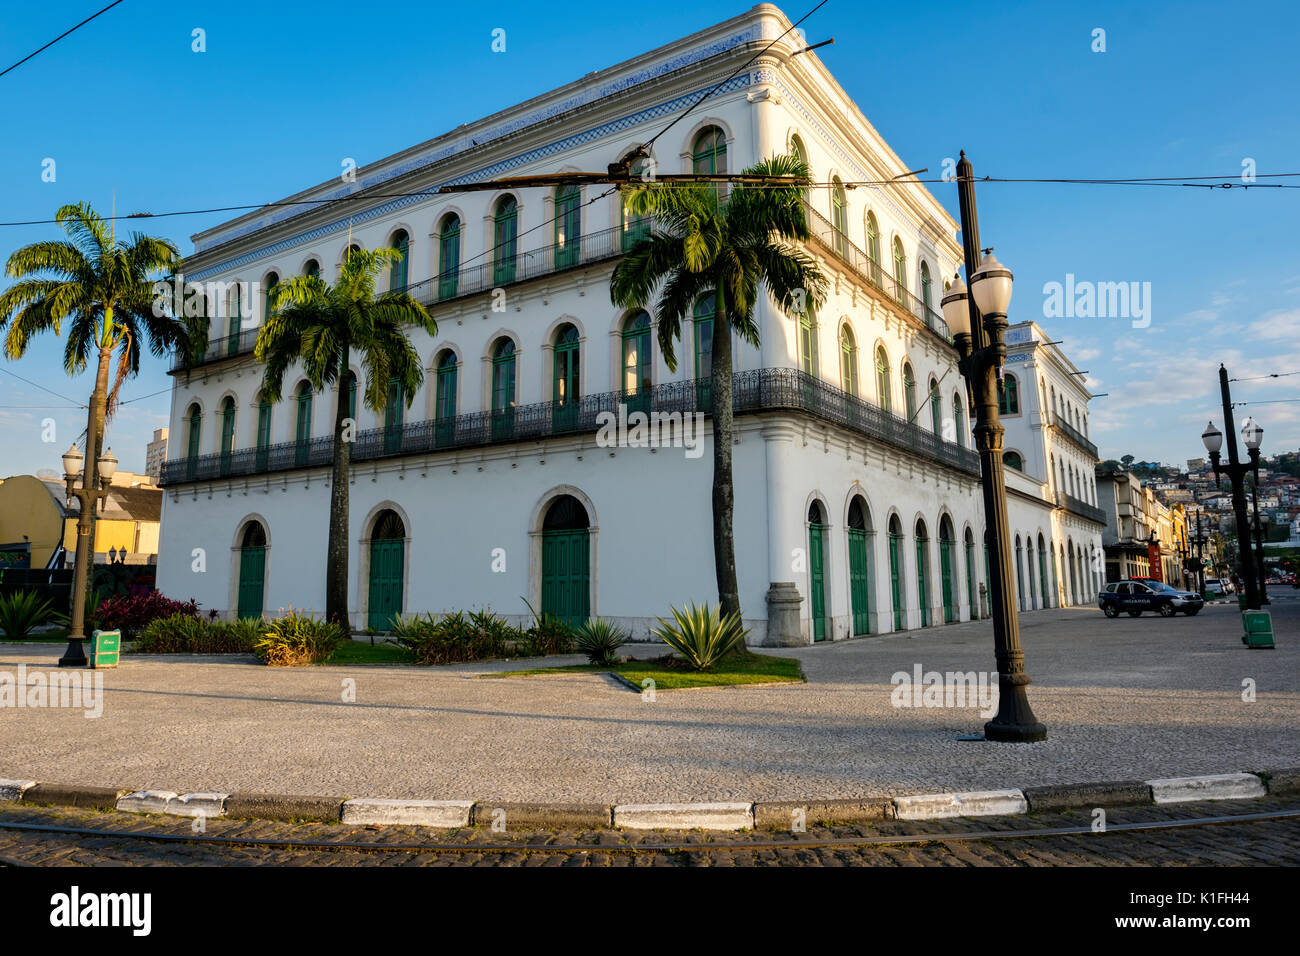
[[738, 815]]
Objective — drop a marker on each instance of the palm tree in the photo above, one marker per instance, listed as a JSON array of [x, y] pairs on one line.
[[707, 242], [103, 289], [319, 325]]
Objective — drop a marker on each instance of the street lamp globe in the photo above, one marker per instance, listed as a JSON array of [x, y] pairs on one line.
[[1252, 434], [1213, 439], [72, 459], [107, 465], [956, 307], [991, 286]]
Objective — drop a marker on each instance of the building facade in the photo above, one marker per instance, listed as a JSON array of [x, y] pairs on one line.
[[856, 484], [155, 454]]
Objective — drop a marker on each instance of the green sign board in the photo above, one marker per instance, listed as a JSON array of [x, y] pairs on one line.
[[107, 647]]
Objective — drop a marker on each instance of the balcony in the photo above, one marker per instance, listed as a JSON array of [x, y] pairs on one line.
[[1079, 507], [758, 390], [1074, 435], [471, 280], [873, 273]]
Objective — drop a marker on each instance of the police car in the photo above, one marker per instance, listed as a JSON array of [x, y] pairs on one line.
[[1147, 594]]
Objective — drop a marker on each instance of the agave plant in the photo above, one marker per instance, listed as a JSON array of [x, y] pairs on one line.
[[600, 639], [702, 635], [22, 611]]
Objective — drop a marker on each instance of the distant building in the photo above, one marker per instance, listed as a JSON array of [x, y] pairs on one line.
[[155, 454], [1196, 464], [38, 529]]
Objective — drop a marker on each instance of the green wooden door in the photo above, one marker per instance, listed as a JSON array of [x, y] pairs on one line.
[[387, 567], [566, 575], [859, 588], [971, 597], [817, 573], [922, 582], [896, 578], [252, 577], [945, 564]]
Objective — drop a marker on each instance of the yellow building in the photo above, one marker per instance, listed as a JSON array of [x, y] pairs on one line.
[[39, 530]]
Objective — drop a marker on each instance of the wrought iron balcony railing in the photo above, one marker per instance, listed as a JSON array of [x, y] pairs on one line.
[[1074, 435], [757, 390], [824, 232], [1079, 507]]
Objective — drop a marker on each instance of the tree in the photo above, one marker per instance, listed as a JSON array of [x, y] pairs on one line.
[[103, 289], [1127, 461], [318, 325], [706, 242]]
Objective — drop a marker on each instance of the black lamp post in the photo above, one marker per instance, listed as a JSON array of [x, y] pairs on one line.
[[1253, 435], [88, 496], [1199, 540], [1236, 472], [982, 350]]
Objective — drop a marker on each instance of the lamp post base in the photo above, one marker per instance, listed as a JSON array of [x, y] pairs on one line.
[[1015, 721], [75, 655]]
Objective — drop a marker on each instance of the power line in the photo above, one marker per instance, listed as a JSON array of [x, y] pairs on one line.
[[59, 37], [41, 387], [1259, 378]]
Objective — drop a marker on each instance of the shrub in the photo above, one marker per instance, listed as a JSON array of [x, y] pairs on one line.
[[702, 635], [186, 634], [547, 635], [132, 613], [22, 611], [455, 638], [600, 640], [297, 639]]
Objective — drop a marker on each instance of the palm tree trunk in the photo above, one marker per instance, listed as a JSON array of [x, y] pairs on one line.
[[90, 479], [724, 544], [336, 568]]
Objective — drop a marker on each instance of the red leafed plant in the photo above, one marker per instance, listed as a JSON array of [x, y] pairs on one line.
[[132, 613]]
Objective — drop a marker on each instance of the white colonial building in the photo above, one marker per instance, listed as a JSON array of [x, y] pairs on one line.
[[856, 486], [1055, 523]]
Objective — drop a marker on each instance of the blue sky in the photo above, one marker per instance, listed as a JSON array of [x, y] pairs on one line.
[[285, 91]]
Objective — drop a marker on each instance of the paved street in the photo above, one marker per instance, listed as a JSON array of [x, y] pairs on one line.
[[1123, 699], [1265, 842]]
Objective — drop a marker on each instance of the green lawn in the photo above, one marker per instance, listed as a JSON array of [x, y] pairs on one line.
[[45, 637], [745, 668], [359, 652]]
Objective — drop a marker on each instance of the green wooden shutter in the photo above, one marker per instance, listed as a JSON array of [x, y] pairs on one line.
[[859, 584], [945, 562], [896, 579], [387, 566], [923, 581], [252, 576], [817, 575], [971, 596], [566, 575]]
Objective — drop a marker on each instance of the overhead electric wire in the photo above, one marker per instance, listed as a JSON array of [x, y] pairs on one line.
[[59, 37], [1260, 378], [41, 387]]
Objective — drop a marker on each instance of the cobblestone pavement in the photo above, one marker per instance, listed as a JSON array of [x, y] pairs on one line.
[[1269, 842], [1134, 698]]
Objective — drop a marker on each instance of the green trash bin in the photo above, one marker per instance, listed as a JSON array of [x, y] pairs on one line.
[[1259, 629]]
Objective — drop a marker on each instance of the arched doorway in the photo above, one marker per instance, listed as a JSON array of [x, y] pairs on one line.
[[566, 560], [860, 564], [946, 570], [817, 569], [252, 570], [387, 569], [923, 571], [970, 576], [896, 570], [1042, 573]]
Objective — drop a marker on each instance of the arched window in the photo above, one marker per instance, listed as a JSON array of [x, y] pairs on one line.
[[503, 389], [873, 248], [236, 306], [227, 433], [808, 357], [900, 269], [566, 389], [959, 419], [505, 240], [635, 228], [194, 419], [263, 432], [883, 387], [449, 256], [1012, 459], [311, 268], [925, 285], [397, 272], [848, 361], [636, 359], [839, 215], [909, 391], [936, 409], [800, 153], [705, 308], [302, 426], [568, 226], [709, 152], [394, 416], [1008, 395], [444, 405], [350, 383], [268, 297]]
